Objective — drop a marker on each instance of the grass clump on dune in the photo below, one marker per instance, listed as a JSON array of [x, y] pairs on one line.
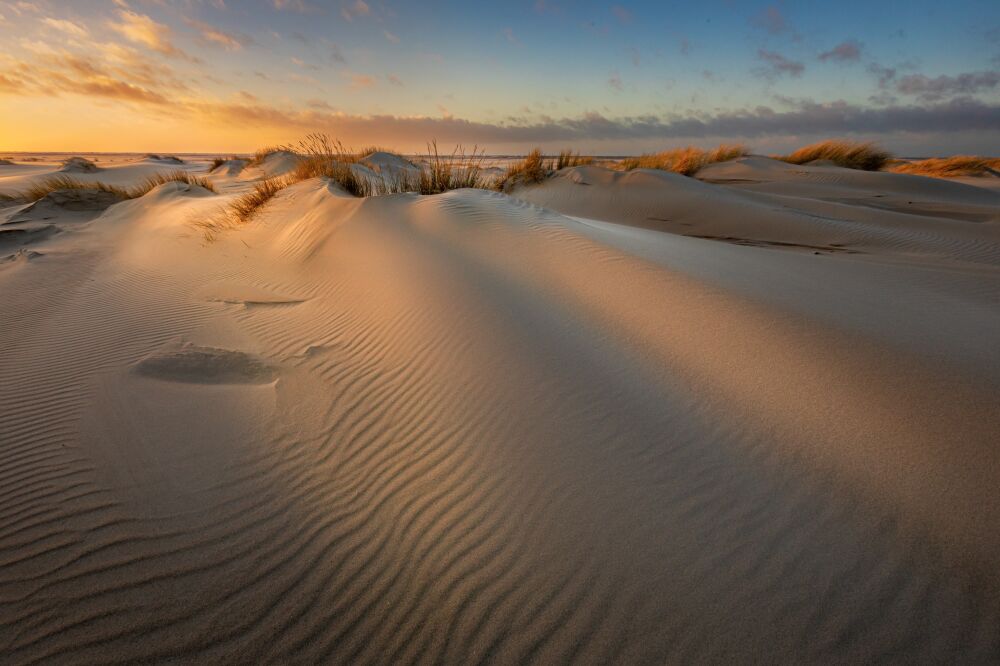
[[243, 208], [950, 167], [444, 173], [219, 161], [532, 169], [262, 154], [847, 154], [323, 157], [535, 168], [685, 161], [568, 158], [54, 183]]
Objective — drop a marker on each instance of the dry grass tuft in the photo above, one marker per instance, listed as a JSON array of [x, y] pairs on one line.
[[323, 157], [54, 183], [568, 158], [242, 209], [950, 167], [449, 172], [848, 154], [219, 161], [685, 161], [532, 169], [263, 153]]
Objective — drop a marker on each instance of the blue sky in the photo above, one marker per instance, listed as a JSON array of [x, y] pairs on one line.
[[920, 77]]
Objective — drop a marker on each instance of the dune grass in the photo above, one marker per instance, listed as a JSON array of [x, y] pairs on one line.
[[528, 171], [685, 161], [949, 167], [262, 154], [321, 156], [243, 208], [536, 167], [569, 158], [449, 172], [54, 183], [843, 153]]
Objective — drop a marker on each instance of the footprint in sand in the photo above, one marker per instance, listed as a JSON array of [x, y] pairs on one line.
[[194, 364]]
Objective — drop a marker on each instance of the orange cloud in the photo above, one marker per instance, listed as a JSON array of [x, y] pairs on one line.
[[141, 29], [359, 81], [67, 27], [211, 34]]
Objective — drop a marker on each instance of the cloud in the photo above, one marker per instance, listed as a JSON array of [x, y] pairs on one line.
[[359, 81], [300, 6], [770, 19], [849, 51], [391, 37], [623, 15], [226, 40], [355, 9], [67, 27], [393, 80], [141, 29], [808, 119], [299, 62], [130, 79], [776, 65], [941, 87], [334, 53], [319, 105]]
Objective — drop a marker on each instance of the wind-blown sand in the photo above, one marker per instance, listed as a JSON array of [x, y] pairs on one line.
[[612, 418]]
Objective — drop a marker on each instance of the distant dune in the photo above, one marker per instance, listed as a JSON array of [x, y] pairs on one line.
[[608, 417]]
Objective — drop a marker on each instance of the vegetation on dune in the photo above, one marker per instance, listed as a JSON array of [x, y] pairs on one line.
[[444, 173], [262, 154], [219, 161], [949, 167], [532, 169], [568, 158], [54, 183], [536, 167], [321, 156], [848, 154], [685, 161]]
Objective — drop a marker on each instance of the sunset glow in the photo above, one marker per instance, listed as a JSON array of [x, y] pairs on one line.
[[231, 75]]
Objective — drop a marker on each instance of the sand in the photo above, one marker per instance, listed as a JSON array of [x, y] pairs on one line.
[[610, 418]]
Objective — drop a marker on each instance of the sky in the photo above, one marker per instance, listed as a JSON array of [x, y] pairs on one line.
[[919, 77]]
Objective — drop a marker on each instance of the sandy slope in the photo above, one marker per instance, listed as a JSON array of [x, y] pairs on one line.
[[465, 427]]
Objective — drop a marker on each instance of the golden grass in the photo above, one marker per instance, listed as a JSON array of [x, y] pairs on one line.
[[568, 158], [54, 183], [243, 208], [536, 167], [262, 154], [848, 154], [949, 167], [321, 156], [449, 172], [532, 169], [685, 161], [219, 161]]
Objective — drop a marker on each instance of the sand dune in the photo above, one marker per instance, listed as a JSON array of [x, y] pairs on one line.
[[611, 418]]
